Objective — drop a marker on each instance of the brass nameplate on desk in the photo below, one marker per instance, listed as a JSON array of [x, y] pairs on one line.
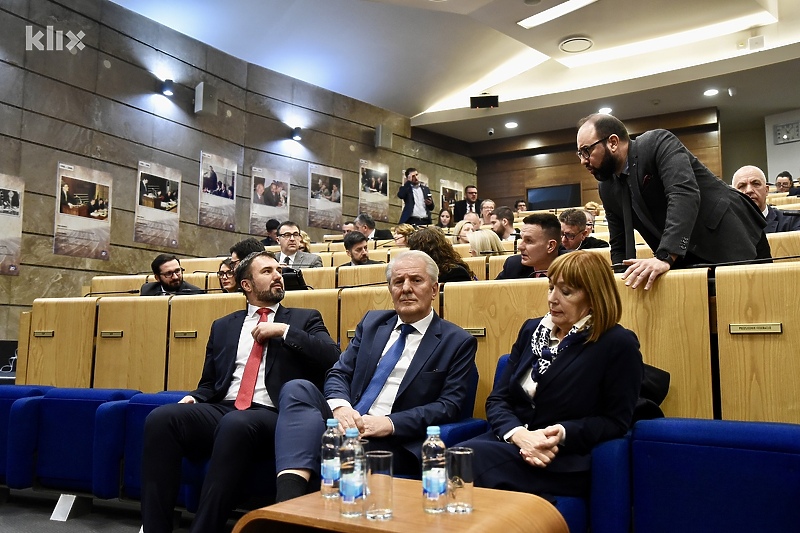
[[111, 334], [476, 332], [186, 334], [351, 333], [765, 327], [44, 333]]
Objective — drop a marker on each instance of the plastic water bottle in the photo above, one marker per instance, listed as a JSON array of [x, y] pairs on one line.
[[434, 480], [330, 467], [351, 482]]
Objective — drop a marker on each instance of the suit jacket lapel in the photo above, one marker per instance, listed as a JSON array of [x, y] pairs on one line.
[[426, 348], [232, 341], [274, 344], [639, 207], [563, 360]]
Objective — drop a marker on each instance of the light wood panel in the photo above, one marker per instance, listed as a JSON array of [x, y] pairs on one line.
[[65, 358], [131, 350], [201, 264], [462, 249], [326, 258], [784, 244], [496, 310], [317, 247], [198, 279], [354, 304], [118, 284], [340, 258], [759, 372], [355, 276], [22, 348], [781, 201], [320, 278], [189, 326], [496, 263], [326, 301], [479, 265], [672, 323]]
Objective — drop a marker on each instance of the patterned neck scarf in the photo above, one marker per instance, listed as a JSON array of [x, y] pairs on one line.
[[544, 354]]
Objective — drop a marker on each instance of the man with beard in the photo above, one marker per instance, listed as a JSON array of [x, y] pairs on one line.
[[357, 247], [682, 210], [167, 270], [231, 415]]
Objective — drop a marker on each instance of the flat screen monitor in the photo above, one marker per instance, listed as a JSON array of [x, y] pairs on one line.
[[559, 196]]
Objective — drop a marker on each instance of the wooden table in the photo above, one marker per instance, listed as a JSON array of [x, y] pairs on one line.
[[494, 510]]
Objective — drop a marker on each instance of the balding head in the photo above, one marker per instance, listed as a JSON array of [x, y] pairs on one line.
[[751, 181]]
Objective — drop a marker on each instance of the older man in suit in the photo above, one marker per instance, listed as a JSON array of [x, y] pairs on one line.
[[405, 370], [289, 239], [655, 185], [751, 181], [231, 415]]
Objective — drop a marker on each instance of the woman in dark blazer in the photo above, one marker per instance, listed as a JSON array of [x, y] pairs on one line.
[[571, 382]]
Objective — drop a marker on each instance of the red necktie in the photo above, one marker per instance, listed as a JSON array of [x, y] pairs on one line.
[[248, 385]]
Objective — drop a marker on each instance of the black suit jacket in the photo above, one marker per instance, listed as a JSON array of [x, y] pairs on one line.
[[680, 206], [434, 386], [592, 242], [460, 209], [591, 389], [778, 222], [514, 269], [154, 289], [307, 353], [382, 234]]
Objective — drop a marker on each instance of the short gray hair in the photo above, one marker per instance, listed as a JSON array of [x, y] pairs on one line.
[[430, 265]]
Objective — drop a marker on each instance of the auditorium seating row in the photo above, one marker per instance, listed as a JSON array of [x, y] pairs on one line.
[[665, 475], [153, 344]]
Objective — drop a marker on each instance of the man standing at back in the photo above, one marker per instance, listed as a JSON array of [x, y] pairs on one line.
[[682, 210], [751, 181], [470, 204], [538, 247], [289, 239], [169, 275], [417, 200], [405, 370], [231, 416]]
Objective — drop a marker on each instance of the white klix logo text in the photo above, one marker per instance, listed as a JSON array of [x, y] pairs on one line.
[[54, 40]]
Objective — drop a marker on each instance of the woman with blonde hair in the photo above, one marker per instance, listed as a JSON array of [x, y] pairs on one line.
[[305, 242], [485, 242], [462, 231], [571, 382], [401, 234]]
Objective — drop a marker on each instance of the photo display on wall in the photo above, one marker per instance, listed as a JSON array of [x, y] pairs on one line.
[[373, 198], [12, 189], [217, 204], [158, 209], [324, 197], [269, 198]]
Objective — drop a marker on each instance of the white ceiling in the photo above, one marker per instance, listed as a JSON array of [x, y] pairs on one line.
[[411, 55]]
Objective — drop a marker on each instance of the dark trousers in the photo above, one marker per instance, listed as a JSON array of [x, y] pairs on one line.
[[301, 423], [233, 439], [417, 221]]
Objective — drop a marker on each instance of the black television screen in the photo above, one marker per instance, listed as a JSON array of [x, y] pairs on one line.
[[559, 196]]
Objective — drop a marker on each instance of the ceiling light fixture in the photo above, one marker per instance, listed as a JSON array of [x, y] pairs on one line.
[[710, 92], [296, 136], [167, 87], [553, 13], [665, 42], [604, 110], [511, 125], [575, 45]]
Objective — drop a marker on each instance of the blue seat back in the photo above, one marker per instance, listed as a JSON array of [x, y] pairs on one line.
[[8, 395]]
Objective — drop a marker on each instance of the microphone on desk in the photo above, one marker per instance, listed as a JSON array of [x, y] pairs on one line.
[[106, 293], [790, 212]]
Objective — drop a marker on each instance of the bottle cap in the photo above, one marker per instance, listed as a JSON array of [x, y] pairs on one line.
[[332, 423], [351, 433], [433, 430]]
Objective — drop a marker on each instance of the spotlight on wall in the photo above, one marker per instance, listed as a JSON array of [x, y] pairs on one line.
[[167, 87], [296, 134]]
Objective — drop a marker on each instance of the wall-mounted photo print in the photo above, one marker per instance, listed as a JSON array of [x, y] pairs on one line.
[[217, 205], [373, 198], [269, 198], [324, 197], [83, 223], [157, 205], [11, 191]]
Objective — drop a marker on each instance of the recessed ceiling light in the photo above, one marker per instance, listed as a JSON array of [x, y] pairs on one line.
[[711, 92], [511, 125], [574, 45], [604, 110], [554, 12]]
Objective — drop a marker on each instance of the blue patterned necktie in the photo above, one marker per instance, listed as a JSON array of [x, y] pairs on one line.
[[385, 367]]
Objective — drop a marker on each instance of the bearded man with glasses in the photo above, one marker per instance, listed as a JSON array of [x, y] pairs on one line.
[[655, 185], [169, 279]]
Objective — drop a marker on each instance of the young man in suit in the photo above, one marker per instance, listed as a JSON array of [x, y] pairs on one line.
[[538, 246], [417, 200], [289, 239], [470, 204], [357, 247], [167, 270], [682, 210], [232, 413], [426, 361], [751, 181]]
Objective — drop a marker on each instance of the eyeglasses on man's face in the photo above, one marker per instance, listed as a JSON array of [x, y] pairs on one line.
[[172, 273], [569, 236], [584, 152], [295, 235]]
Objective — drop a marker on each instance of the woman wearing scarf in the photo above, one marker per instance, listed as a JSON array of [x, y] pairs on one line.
[[571, 382]]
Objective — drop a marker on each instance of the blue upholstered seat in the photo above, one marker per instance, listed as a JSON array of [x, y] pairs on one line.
[[8, 395]]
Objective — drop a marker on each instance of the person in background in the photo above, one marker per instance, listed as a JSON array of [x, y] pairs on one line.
[[402, 233], [470, 203], [243, 248], [272, 233], [433, 242], [784, 183], [592, 212], [487, 208], [305, 242], [520, 205], [366, 225], [538, 247], [445, 219], [485, 242], [590, 370], [169, 275], [226, 276], [751, 181], [462, 231], [502, 219], [357, 247], [347, 227], [417, 200], [575, 231], [291, 255]]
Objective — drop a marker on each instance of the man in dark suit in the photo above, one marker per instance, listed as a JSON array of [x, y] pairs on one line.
[[366, 225], [423, 383], [575, 231], [167, 270], [751, 181], [67, 198], [231, 416], [417, 200], [357, 247], [538, 247], [682, 210], [470, 204]]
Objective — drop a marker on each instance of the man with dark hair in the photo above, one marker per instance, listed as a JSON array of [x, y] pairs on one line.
[[232, 414], [348, 227], [243, 248], [538, 247], [784, 183], [420, 381], [682, 210], [366, 225], [357, 247], [470, 204], [575, 232], [272, 233], [502, 219], [417, 200], [520, 205], [167, 270], [289, 239]]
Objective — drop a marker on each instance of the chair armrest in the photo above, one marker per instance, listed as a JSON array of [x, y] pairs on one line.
[[23, 441], [463, 430], [108, 448], [611, 486]]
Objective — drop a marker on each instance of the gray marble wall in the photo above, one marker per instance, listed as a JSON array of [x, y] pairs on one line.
[[99, 108]]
